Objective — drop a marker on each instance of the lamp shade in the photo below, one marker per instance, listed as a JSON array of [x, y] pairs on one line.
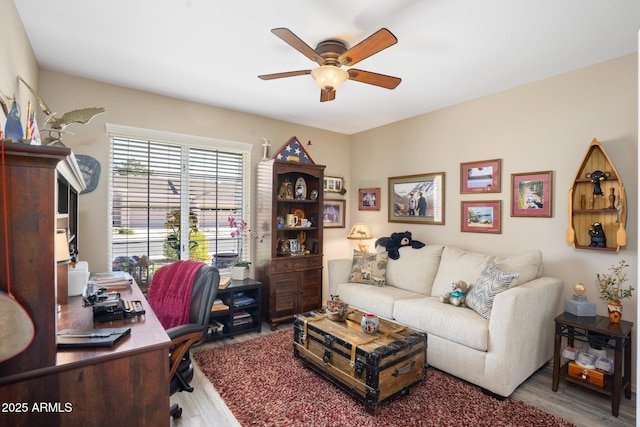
[[359, 231], [62, 246], [329, 77]]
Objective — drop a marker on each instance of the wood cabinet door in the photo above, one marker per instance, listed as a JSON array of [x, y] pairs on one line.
[[282, 295], [310, 290]]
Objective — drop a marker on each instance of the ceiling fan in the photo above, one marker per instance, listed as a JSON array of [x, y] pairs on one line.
[[332, 54]]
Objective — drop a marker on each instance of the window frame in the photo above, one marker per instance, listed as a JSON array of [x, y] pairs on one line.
[[186, 142]]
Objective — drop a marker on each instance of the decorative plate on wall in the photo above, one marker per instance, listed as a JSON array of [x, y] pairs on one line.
[[90, 169], [301, 189]]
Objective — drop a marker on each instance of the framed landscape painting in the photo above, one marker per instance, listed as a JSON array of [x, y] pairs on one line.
[[480, 177], [531, 194], [481, 216], [417, 198]]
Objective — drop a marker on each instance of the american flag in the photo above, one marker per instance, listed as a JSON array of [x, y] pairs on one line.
[[33, 133], [293, 151]]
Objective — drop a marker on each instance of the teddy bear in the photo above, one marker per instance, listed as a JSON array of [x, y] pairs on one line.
[[598, 239], [396, 241], [457, 296], [596, 177]]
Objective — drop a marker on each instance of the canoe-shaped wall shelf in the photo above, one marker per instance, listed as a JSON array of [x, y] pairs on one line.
[[597, 204]]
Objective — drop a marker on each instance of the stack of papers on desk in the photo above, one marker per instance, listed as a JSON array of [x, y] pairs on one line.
[[112, 280]]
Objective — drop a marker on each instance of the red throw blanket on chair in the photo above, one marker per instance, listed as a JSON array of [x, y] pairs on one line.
[[170, 292]]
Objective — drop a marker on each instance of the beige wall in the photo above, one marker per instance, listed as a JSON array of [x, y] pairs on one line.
[[141, 109], [547, 125], [16, 55]]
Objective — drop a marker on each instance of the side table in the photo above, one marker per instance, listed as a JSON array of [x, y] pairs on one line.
[[250, 308], [581, 328]]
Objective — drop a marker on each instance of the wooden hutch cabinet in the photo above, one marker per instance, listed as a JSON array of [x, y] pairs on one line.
[[289, 259], [124, 385]]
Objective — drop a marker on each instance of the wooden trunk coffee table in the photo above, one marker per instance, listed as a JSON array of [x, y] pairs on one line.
[[373, 368]]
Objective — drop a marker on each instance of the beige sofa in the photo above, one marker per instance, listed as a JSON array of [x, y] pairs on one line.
[[497, 354]]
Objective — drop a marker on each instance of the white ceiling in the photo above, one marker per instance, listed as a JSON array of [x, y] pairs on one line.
[[211, 52]]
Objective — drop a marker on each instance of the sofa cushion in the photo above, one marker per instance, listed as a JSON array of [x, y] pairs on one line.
[[373, 299], [368, 268], [457, 264], [457, 324], [415, 269], [491, 282], [528, 264]]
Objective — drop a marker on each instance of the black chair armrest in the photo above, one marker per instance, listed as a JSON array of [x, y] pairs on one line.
[[189, 328]]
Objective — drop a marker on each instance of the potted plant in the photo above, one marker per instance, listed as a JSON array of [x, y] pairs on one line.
[[240, 270], [611, 290]]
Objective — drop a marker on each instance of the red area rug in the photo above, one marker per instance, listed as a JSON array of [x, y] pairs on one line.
[[264, 385]]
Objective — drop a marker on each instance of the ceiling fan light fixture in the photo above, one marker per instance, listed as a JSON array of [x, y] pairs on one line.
[[329, 77]]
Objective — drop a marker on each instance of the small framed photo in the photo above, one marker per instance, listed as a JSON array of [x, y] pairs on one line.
[[333, 213], [480, 177], [333, 184], [531, 194], [417, 198], [369, 199], [481, 216]]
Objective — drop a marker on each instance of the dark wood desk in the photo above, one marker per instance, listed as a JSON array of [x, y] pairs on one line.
[[127, 385], [579, 328]]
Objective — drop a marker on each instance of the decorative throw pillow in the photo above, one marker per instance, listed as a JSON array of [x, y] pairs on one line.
[[369, 268], [491, 282]]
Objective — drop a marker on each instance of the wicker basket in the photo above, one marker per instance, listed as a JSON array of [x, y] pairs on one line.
[[337, 316], [239, 273]]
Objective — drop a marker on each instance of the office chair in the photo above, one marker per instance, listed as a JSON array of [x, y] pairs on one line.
[[205, 288]]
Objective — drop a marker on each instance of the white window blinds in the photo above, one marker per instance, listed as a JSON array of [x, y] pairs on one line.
[[172, 201]]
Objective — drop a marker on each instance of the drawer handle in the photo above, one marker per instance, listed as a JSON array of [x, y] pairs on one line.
[[406, 368], [327, 356], [286, 264], [584, 375]]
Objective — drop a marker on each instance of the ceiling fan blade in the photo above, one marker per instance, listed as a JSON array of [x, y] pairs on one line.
[[327, 96], [373, 44], [382, 80], [296, 42], [286, 74]]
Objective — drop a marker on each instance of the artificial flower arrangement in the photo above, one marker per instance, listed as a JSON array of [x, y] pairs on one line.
[[610, 284], [241, 231]]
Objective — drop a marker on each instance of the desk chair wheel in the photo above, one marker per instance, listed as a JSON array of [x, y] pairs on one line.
[[175, 411]]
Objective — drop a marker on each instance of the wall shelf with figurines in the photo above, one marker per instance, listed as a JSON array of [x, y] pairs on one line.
[[597, 204]]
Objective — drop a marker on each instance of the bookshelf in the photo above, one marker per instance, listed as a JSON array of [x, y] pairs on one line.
[[236, 310]]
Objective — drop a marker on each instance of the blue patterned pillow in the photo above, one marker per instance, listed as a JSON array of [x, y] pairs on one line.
[[491, 282]]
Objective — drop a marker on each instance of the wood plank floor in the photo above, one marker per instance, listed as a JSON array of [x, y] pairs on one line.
[[205, 408]]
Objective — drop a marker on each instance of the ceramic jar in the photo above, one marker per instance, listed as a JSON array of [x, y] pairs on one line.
[[369, 323], [615, 311]]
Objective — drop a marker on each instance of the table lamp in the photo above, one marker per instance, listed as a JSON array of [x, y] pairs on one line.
[[360, 231], [578, 304]]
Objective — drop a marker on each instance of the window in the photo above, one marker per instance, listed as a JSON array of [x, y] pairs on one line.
[[171, 195]]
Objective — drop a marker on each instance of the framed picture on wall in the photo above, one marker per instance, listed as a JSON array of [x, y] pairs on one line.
[[417, 198], [333, 213], [481, 216], [369, 199], [531, 194], [333, 184], [480, 177]]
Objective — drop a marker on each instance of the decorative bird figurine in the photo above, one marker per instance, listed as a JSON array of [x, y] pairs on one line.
[[56, 125]]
